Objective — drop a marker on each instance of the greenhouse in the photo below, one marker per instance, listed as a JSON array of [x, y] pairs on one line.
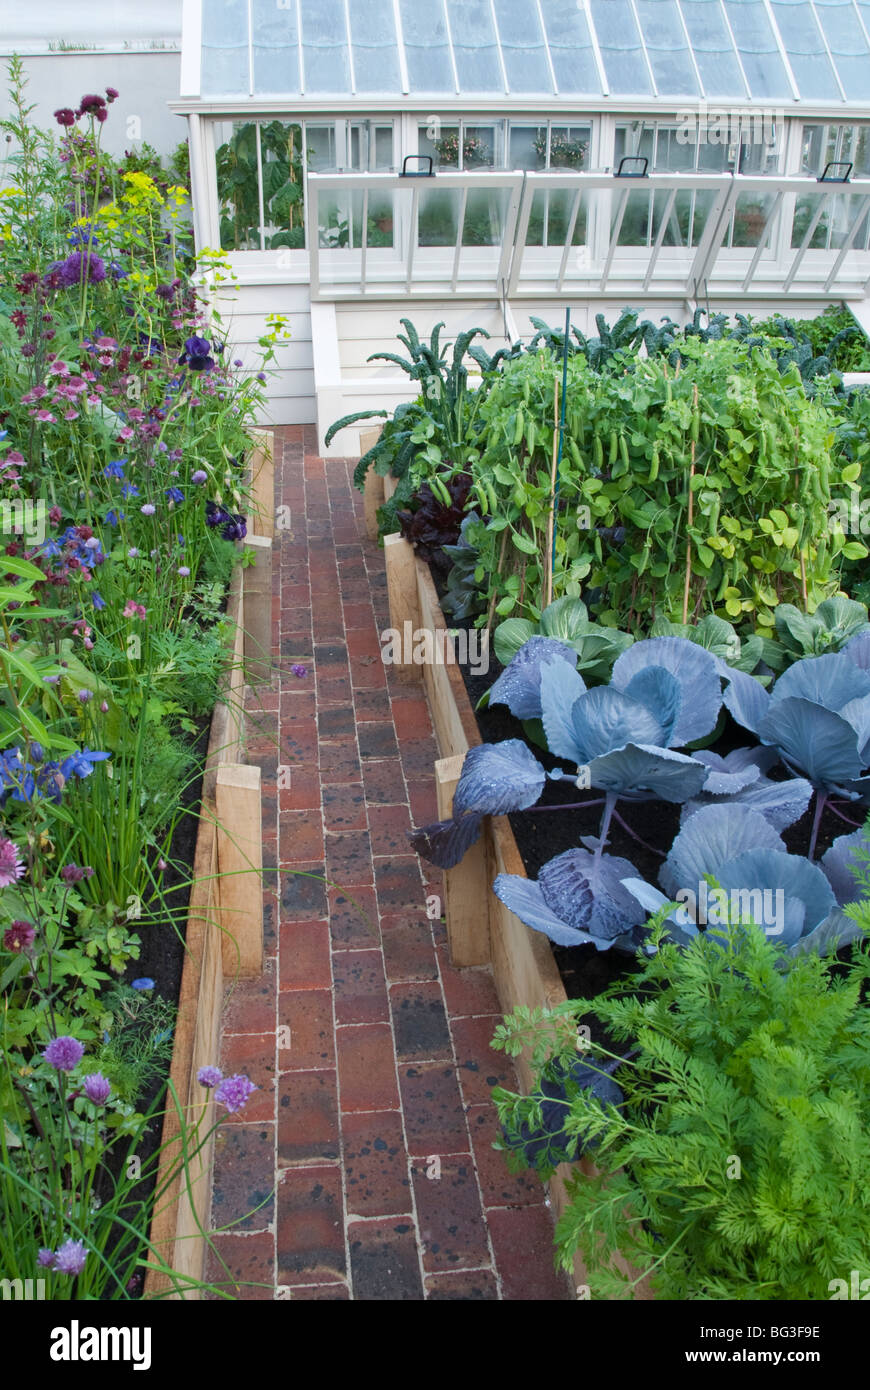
[[519, 156]]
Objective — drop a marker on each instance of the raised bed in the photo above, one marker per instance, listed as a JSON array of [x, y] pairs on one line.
[[524, 969], [224, 936]]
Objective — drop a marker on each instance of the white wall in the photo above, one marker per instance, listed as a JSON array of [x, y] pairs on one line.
[[146, 82]]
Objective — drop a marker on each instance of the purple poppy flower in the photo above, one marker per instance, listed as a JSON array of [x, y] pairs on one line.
[[64, 1053]]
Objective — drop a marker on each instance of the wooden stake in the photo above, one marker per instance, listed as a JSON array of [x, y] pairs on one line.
[[258, 612], [240, 869], [466, 887], [404, 601], [263, 484], [551, 517]]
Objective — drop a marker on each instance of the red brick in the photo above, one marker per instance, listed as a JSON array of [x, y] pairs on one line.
[[477, 1285], [253, 1054], [375, 1164], [353, 918], [424, 803], [449, 1214], [244, 1176], [250, 1265], [358, 615], [420, 1022], [480, 1067], [303, 892], [377, 741], [301, 836], [389, 827], [470, 990], [371, 704], [360, 988], [367, 1068], [321, 1292], [303, 953], [499, 1186], [383, 1261], [308, 1015], [299, 742], [250, 1004], [522, 1238], [339, 759], [384, 782], [348, 857], [310, 1226], [408, 950], [418, 757], [307, 1117], [344, 807], [304, 791], [398, 884], [433, 1109], [411, 717]]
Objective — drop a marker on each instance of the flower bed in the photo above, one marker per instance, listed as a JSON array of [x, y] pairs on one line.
[[123, 442]]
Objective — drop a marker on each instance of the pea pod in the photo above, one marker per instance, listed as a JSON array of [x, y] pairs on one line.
[[654, 464], [520, 426], [644, 559], [575, 454], [598, 453], [530, 437], [614, 447], [696, 425], [821, 554], [482, 499], [493, 500], [439, 488], [623, 451], [526, 391], [714, 517]]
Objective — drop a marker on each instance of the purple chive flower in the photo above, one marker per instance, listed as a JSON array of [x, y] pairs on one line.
[[19, 937], [149, 509], [74, 873], [299, 670], [71, 1257], [84, 696], [64, 1053], [209, 1076], [184, 571], [199, 476], [144, 982], [45, 1258], [97, 1088], [133, 553], [11, 865], [234, 1091]]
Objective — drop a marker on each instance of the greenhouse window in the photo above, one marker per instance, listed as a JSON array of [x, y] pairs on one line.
[[830, 215]]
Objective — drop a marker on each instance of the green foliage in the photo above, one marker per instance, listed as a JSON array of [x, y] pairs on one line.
[[735, 1169], [137, 1040]]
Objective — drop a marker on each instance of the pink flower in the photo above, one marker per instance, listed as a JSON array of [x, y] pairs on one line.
[[11, 866], [46, 417], [125, 432], [70, 415], [134, 610]]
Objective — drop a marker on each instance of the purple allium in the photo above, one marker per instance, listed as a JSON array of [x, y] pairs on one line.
[[19, 937], [184, 571], [97, 1088], [209, 1076], [149, 509], [299, 670], [84, 696], [45, 1258], [11, 865], [78, 266], [64, 1053], [200, 476], [70, 1258], [144, 982], [234, 1091]]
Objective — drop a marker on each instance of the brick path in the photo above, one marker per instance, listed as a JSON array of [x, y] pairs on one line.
[[371, 1050]]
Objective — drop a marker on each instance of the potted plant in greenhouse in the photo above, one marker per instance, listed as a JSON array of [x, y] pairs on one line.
[[564, 152]]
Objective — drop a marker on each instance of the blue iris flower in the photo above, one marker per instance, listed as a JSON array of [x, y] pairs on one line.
[[81, 764], [98, 601]]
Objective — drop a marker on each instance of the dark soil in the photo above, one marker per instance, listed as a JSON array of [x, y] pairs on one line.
[[542, 833]]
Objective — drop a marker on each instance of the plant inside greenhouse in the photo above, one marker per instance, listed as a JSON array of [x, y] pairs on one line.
[[435, 702]]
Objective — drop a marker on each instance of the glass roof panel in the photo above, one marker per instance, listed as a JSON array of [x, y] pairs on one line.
[[224, 47], [848, 45], [570, 45], [275, 42], [805, 47], [522, 46], [474, 46], [713, 49], [375, 51], [759, 51], [621, 47], [324, 47], [666, 47], [426, 46]]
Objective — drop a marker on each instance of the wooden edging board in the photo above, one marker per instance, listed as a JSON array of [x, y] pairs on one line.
[[182, 1212], [523, 965]]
